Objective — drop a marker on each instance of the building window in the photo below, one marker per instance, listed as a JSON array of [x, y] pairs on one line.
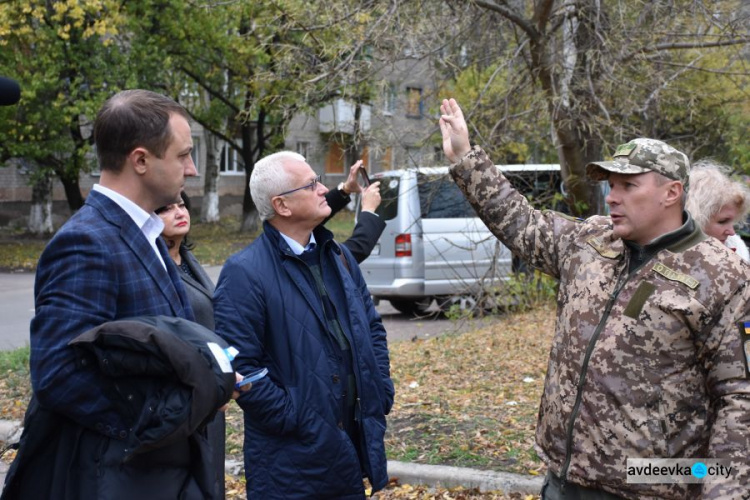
[[414, 102], [386, 162], [196, 154], [463, 56], [335, 158], [231, 161], [389, 99], [303, 148]]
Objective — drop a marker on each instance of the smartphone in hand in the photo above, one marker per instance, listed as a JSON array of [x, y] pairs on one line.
[[364, 179], [253, 377]]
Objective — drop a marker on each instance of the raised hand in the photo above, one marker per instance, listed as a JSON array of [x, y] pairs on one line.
[[455, 133], [351, 185], [371, 197]]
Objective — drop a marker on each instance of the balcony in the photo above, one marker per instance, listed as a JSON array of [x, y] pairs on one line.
[[338, 117]]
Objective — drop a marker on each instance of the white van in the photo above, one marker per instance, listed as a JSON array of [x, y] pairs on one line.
[[434, 246]]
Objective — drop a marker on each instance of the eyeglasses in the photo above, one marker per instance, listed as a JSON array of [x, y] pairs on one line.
[[310, 186]]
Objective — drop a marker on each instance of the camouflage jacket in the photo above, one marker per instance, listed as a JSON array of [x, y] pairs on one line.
[[646, 364]]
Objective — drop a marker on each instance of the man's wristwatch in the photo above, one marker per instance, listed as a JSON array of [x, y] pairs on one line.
[[340, 187]]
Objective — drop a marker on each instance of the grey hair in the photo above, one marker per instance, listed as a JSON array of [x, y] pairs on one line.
[[663, 179], [711, 189], [269, 178]]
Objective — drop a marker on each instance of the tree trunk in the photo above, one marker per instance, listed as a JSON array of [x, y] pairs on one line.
[[210, 208], [250, 220], [40, 216], [354, 150], [570, 107], [72, 191]]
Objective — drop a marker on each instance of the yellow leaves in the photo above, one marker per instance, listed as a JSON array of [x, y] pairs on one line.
[[67, 19], [73, 11], [99, 28], [395, 491], [64, 32], [234, 487], [38, 12], [60, 9]]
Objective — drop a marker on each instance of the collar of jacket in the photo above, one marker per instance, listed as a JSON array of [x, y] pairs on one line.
[[679, 240], [322, 237]]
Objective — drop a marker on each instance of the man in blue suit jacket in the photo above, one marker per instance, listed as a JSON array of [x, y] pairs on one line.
[[106, 263]]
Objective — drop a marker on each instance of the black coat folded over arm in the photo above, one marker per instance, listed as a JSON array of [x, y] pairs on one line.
[[168, 377], [168, 380]]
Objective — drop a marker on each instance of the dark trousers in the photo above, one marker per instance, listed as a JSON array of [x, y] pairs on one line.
[[552, 490]]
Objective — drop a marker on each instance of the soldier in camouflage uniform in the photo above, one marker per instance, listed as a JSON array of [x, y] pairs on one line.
[[647, 359]]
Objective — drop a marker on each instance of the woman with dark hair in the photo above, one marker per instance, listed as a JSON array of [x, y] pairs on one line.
[[200, 288], [200, 292]]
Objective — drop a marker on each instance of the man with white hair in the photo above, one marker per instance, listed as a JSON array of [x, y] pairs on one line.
[[294, 302]]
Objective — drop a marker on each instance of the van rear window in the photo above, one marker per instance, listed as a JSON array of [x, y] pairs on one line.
[[440, 198], [541, 188], [388, 208]]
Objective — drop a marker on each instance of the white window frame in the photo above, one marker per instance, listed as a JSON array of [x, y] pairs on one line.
[[196, 153], [303, 148], [389, 99], [232, 164]]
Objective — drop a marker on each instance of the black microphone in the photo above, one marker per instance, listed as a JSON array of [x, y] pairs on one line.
[[10, 92]]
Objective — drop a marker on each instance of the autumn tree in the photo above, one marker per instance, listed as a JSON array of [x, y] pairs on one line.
[[244, 69], [69, 57], [600, 73]]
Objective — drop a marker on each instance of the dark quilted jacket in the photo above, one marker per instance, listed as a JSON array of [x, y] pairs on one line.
[[266, 306]]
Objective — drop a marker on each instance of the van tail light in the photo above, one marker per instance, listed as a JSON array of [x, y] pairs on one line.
[[403, 245]]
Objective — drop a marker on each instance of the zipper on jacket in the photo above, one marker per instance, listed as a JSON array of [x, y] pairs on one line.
[[357, 382], [584, 370]]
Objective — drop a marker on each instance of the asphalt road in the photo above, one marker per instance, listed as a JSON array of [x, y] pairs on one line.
[[17, 309]]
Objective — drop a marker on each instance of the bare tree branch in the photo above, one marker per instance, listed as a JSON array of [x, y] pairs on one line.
[[511, 15], [683, 46], [652, 96], [209, 89]]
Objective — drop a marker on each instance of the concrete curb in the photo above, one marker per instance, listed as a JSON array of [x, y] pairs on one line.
[[407, 473], [450, 477], [10, 431]]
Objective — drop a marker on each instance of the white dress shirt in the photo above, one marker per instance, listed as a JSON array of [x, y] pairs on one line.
[[150, 225]]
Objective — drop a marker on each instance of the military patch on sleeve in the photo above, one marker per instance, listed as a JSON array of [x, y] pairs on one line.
[[744, 327], [564, 216], [602, 248]]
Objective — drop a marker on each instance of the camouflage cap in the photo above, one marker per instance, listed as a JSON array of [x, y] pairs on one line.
[[640, 156]]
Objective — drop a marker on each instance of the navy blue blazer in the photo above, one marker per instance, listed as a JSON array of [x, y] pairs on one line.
[[99, 267]]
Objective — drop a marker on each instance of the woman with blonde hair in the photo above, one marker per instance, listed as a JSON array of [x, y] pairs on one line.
[[717, 203]]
